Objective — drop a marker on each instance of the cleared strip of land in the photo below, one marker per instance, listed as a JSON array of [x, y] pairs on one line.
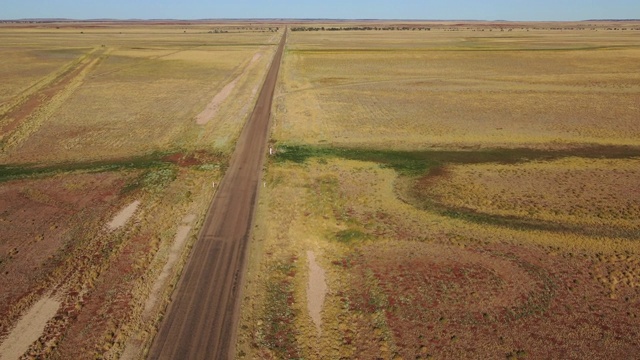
[[123, 216], [29, 328]]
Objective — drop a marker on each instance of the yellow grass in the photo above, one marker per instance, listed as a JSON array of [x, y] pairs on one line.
[[573, 190], [392, 90], [304, 207], [420, 90], [413, 90], [148, 85], [25, 68]]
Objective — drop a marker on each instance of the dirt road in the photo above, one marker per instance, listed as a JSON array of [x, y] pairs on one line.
[[201, 321]]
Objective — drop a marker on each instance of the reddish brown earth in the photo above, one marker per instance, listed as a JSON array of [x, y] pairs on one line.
[[39, 225], [195, 158], [99, 325], [202, 318], [492, 301]]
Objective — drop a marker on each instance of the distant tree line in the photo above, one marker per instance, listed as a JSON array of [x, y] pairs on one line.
[[225, 30], [421, 28], [358, 28]]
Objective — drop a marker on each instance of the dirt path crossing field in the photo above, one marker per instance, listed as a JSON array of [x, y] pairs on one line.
[[201, 320]]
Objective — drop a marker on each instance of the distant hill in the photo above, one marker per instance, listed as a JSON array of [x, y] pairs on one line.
[[609, 20]]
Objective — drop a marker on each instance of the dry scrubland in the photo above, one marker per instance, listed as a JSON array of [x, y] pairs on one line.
[[94, 119], [461, 193], [467, 194]]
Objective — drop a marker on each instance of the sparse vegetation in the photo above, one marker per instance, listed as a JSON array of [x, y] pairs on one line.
[[89, 124], [457, 187], [424, 90], [279, 316]]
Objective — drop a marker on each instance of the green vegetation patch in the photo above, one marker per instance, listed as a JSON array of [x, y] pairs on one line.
[[406, 163], [154, 179], [414, 163], [432, 163], [278, 330], [153, 162], [528, 224], [349, 236], [14, 172]]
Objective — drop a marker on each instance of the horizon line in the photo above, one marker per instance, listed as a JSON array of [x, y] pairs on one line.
[[291, 19]]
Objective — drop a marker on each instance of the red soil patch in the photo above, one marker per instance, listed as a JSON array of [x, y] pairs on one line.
[[485, 301], [41, 222], [199, 157], [109, 305]]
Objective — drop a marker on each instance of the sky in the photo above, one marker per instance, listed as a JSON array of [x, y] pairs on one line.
[[525, 10]]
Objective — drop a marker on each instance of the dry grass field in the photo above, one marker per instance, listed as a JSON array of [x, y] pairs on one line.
[[125, 68], [467, 193], [423, 89], [573, 192], [105, 174]]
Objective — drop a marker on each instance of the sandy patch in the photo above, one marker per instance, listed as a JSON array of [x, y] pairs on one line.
[[174, 255], [210, 111], [255, 58], [123, 216], [29, 328], [189, 219], [133, 347], [316, 290]]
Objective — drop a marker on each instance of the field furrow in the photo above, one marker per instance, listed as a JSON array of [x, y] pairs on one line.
[[25, 118], [15, 103]]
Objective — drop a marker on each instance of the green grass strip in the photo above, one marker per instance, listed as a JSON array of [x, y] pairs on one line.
[[413, 163]]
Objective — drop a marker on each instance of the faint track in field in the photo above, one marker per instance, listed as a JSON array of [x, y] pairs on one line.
[[25, 116], [463, 82], [24, 95]]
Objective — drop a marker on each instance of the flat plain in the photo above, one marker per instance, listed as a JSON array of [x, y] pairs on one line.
[[437, 190], [106, 172], [467, 190], [404, 89]]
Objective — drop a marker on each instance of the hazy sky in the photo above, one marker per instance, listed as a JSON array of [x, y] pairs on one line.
[[357, 9]]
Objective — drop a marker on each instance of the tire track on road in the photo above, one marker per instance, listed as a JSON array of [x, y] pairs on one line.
[[201, 321]]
